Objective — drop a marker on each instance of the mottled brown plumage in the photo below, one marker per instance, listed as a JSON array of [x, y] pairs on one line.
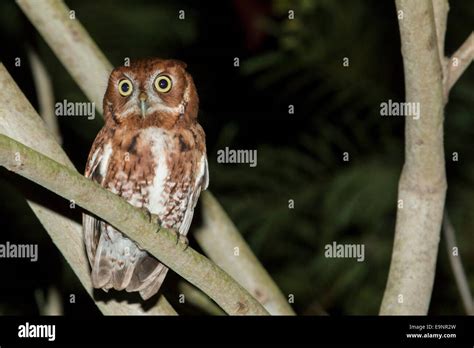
[[151, 151]]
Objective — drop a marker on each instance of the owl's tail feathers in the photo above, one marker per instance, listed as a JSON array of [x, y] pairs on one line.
[[120, 264], [147, 277], [155, 284]]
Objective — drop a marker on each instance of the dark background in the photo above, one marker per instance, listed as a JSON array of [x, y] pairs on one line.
[[300, 156]]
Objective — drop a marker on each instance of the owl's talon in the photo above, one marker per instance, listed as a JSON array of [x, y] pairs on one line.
[[185, 240], [182, 239], [153, 218]]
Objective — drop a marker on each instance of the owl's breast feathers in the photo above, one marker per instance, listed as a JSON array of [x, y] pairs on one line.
[[161, 170]]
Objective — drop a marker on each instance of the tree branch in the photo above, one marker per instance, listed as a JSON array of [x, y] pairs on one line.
[[454, 66], [44, 91], [49, 301], [458, 63], [422, 186], [199, 299], [91, 71], [160, 242], [19, 120], [456, 266]]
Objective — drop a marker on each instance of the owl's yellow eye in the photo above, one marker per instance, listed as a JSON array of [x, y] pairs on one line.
[[163, 84], [125, 87]]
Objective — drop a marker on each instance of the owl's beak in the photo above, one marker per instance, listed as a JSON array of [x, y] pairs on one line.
[[143, 104]]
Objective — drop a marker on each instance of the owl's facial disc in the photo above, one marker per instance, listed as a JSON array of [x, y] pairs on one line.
[[143, 103]]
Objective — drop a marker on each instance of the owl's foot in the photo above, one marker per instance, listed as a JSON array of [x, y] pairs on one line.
[[153, 218], [182, 239]]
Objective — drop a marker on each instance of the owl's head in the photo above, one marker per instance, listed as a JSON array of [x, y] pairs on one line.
[[151, 92]]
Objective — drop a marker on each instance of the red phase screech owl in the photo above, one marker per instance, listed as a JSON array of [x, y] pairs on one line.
[[152, 152]]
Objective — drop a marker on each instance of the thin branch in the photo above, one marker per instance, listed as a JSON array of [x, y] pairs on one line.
[[456, 266], [45, 93], [199, 299], [49, 301], [422, 185], [454, 66], [19, 120], [459, 62], [90, 71], [219, 239], [160, 242]]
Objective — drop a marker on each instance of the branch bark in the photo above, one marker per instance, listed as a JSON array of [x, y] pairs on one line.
[[90, 69], [160, 242], [440, 12], [19, 120], [422, 186]]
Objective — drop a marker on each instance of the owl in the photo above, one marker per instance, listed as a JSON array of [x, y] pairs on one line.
[[152, 152]]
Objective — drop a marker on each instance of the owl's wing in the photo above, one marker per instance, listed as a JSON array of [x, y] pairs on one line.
[[97, 157], [201, 184]]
